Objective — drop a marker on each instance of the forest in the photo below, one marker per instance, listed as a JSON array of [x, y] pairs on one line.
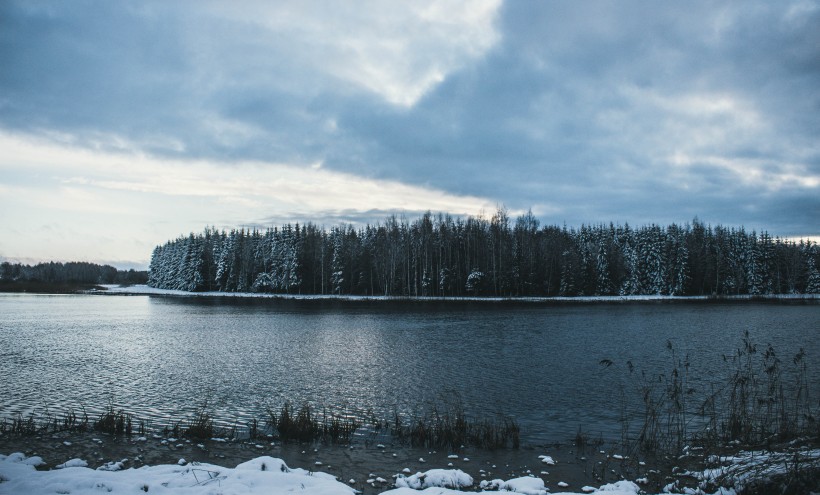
[[442, 256], [15, 276]]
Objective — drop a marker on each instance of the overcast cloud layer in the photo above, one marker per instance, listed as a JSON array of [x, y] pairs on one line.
[[123, 124]]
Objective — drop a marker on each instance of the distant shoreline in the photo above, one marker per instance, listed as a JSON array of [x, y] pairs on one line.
[[36, 287], [141, 290], [146, 290]]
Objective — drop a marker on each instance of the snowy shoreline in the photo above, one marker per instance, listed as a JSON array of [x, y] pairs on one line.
[[269, 475], [198, 469], [261, 475], [131, 290]]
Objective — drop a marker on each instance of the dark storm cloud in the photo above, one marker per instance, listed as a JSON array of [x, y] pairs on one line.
[[588, 112], [583, 107]]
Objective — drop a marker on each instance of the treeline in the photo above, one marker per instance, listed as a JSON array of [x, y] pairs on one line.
[[69, 273], [438, 255]]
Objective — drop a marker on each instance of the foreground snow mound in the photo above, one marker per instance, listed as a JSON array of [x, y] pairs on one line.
[[523, 486], [72, 463], [746, 468], [526, 486], [438, 478], [263, 475], [620, 488]]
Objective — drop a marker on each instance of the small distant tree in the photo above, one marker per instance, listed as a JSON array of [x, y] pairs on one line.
[[475, 282]]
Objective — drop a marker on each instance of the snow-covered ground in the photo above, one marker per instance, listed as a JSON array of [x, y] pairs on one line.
[[263, 475], [144, 289]]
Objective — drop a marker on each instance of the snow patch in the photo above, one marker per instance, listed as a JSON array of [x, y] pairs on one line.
[[440, 478], [72, 463], [264, 475], [526, 486]]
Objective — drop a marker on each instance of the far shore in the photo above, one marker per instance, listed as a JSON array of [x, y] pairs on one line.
[[139, 290], [112, 289], [35, 287]]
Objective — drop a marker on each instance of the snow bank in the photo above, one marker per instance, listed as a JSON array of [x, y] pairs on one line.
[[526, 486], [72, 463], [264, 475], [444, 478], [744, 467], [619, 487]]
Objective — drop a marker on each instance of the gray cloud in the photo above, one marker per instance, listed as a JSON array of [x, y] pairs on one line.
[[588, 112]]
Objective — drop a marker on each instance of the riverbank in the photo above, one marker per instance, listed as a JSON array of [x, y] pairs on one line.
[[360, 464], [81, 463]]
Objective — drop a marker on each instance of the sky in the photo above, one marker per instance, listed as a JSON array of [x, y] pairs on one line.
[[126, 124]]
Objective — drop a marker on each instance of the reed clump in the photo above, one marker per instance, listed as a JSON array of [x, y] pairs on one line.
[[115, 422], [19, 425], [449, 427], [201, 426], [70, 421], [758, 404], [306, 425], [439, 426]]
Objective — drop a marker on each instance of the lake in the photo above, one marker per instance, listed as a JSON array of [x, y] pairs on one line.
[[162, 357]]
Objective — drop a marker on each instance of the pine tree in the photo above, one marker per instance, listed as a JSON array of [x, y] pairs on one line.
[[475, 282], [338, 264], [813, 285], [679, 260], [754, 268], [632, 281], [570, 262]]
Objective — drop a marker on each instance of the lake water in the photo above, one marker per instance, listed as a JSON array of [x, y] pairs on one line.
[[161, 357]]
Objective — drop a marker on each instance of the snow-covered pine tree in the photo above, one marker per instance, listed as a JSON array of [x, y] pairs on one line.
[[678, 258], [632, 281], [604, 284], [475, 282], [766, 260], [290, 260], [652, 259], [154, 268], [754, 269], [338, 263], [813, 283], [570, 264], [190, 275], [811, 255], [225, 264]]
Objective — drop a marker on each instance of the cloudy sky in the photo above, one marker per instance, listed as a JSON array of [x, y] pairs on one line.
[[124, 124]]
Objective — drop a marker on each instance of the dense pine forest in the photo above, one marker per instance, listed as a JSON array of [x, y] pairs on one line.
[[438, 255]]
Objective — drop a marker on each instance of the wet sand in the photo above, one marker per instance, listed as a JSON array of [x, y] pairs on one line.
[[360, 461]]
